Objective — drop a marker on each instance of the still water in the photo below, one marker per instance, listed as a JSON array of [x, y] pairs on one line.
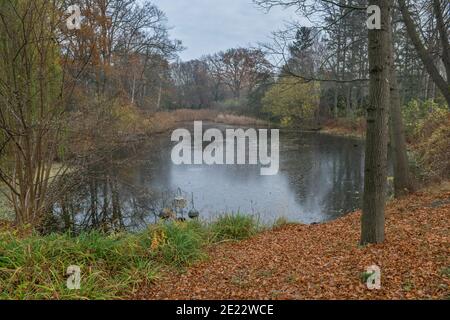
[[320, 179]]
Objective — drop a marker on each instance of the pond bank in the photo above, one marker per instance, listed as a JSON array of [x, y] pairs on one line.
[[290, 261], [161, 122], [113, 265], [325, 261], [352, 128]]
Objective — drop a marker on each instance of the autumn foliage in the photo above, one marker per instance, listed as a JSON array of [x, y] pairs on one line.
[[324, 261]]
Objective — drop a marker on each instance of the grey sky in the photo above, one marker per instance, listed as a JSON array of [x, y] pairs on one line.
[[208, 26]]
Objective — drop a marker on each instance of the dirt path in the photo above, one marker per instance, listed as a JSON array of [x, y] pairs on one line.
[[325, 262]]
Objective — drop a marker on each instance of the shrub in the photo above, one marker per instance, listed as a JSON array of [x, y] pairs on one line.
[[433, 152], [422, 118], [291, 101], [427, 126]]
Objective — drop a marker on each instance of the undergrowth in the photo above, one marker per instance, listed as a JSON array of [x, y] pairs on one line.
[[113, 266]]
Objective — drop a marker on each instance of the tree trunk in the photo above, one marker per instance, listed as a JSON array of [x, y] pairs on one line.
[[372, 220], [158, 104], [403, 181], [335, 107]]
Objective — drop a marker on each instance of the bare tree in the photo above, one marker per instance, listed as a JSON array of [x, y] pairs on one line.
[[193, 83], [32, 103], [240, 69], [424, 54]]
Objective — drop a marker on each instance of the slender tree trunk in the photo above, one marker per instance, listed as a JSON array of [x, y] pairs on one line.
[[349, 112], [94, 201], [336, 110], [403, 181], [372, 220], [158, 104], [133, 90]]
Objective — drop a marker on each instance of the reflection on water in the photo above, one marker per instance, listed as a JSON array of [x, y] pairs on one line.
[[320, 179]]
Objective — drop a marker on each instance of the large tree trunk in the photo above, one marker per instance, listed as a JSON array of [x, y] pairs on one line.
[[423, 53], [403, 181], [372, 220]]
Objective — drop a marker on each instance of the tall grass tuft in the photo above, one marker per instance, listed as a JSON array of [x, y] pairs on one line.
[[234, 227], [179, 244]]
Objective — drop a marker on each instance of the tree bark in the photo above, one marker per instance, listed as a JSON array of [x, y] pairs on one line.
[[372, 220], [423, 53]]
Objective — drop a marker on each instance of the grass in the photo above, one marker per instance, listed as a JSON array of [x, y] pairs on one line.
[[446, 272], [113, 266], [181, 244], [234, 227]]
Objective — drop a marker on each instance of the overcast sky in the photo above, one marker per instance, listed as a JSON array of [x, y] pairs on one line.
[[208, 26]]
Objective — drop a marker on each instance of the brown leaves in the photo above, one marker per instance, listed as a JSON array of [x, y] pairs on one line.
[[325, 261]]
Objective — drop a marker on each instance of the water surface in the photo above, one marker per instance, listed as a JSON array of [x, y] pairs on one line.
[[320, 179]]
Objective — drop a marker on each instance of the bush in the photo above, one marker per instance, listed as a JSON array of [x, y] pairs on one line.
[[292, 102], [421, 118], [427, 126], [433, 152]]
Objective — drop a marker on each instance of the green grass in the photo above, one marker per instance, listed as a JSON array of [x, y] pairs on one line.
[[234, 227], [35, 267], [446, 272], [183, 244], [112, 266]]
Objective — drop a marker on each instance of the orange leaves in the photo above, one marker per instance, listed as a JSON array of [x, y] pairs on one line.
[[159, 238], [325, 261]]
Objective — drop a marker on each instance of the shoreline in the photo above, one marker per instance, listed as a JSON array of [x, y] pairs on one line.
[[296, 261], [289, 260]]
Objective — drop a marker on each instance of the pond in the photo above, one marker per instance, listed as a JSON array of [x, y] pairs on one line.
[[320, 179]]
